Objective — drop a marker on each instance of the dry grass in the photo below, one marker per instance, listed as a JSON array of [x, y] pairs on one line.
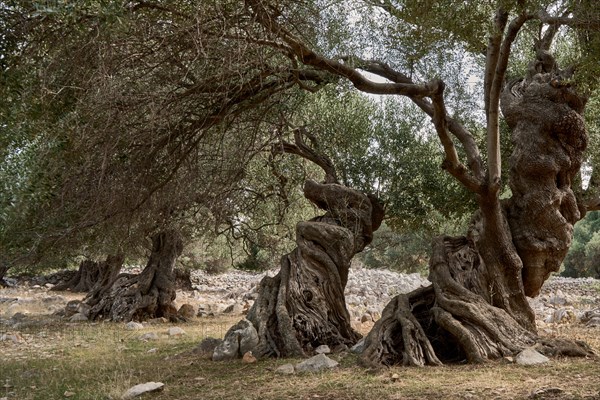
[[100, 361]]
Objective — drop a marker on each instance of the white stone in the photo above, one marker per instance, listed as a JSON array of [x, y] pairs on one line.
[[316, 364], [134, 326], [530, 356], [142, 388], [79, 317], [176, 331], [323, 349], [149, 336], [285, 369]]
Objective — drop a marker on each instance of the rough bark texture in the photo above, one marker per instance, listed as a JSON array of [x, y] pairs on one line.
[[85, 278], [109, 271], [476, 308], [303, 306], [3, 270], [147, 295]]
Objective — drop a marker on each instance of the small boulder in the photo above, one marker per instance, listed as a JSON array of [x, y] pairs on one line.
[[530, 356], [142, 388], [317, 363], [149, 336], [175, 331], [285, 369], [248, 358], [239, 339], [186, 311], [72, 308], [79, 317], [323, 349], [366, 317], [134, 326], [358, 347], [207, 346]]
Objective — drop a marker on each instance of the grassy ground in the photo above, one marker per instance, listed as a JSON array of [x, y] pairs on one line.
[[100, 361]]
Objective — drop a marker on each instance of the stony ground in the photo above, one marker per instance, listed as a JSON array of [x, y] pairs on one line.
[[44, 356]]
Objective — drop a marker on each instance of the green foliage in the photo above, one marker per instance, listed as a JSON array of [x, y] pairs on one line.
[[387, 148], [583, 259]]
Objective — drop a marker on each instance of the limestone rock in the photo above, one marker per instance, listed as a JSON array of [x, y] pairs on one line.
[[315, 364], [323, 349], [134, 326], [206, 348], [79, 317], [285, 369], [530, 356], [239, 339], [176, 331], [142, 388], [149, 336], [358, 347], [186, 311]]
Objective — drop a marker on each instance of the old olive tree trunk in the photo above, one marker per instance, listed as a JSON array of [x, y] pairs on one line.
[[147, 295], [303, 306], [476, 308]]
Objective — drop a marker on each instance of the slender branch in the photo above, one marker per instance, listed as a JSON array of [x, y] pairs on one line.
[[313, 154], [451, 163], [593, 204], [493, 100], [451, 124], [493, 53]]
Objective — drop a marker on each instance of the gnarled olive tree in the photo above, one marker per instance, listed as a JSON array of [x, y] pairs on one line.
[[303, 306], [476, 307]]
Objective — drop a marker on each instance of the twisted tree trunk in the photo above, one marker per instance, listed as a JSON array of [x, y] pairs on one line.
[[303, 306], [147, 295], [85, 278], [476, 308], [109, 272]]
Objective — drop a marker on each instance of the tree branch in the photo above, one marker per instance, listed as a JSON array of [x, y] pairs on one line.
[[451, 125], [312, 154]]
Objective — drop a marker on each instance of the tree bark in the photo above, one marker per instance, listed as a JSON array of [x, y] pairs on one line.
[[147, 295], [84, 279], [109, 272], [303, 306], [3, 270], [476, 308]]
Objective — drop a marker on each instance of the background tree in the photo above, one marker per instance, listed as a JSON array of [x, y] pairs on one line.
[[582, 259]]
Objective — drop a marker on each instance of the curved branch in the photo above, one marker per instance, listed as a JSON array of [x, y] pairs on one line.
[[312, 154]]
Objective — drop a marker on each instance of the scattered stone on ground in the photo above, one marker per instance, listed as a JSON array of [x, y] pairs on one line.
[[530, 356], [238, 340], [142, 388], [134, 326], [285, 369], [186, 311], [248, 358], [149, 336], [323, 349], [175, 331], [317, 363]]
